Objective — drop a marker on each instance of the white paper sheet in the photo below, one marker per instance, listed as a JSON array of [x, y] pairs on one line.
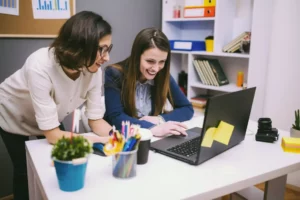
[[51, 9], [10, 7]]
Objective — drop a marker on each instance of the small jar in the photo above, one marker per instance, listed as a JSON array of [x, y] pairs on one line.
[[240, 79]]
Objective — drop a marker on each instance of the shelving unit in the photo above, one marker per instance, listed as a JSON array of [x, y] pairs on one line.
[[232, 17]]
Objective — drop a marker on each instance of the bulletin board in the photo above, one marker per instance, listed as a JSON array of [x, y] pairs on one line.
[[25, 26]]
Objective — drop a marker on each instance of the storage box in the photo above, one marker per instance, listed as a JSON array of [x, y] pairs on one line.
[[197, 12], [187, 45], [193, 3]]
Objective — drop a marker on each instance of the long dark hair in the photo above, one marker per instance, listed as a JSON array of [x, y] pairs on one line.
[[146, 39], [77, 42]]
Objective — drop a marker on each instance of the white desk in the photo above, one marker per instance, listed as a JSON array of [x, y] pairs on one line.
[[245, 165]]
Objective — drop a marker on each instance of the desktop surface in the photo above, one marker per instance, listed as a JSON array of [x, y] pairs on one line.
[[246, 164]]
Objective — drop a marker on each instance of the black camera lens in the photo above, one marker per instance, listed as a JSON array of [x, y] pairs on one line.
[[265, 124]]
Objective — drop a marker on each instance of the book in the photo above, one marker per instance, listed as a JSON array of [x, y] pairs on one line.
[[218, 72], [234, 45]]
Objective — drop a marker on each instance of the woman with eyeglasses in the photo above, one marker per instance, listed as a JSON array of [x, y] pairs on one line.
[[138, 88], [52, 83]]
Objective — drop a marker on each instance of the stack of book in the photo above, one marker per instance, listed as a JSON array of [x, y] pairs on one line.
[[234, 46], [199, 101], [210, 72]]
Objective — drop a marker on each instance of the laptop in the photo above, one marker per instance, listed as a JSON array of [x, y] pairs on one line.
[[224, 126]]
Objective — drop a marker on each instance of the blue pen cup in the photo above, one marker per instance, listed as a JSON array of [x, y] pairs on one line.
[[70, 176], [124, 164]]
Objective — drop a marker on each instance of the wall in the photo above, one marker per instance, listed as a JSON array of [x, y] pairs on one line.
[[282, 94], [127, 18]]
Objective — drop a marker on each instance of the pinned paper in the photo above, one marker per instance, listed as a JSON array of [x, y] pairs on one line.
[[220, 134], [208, 137], [223, 133]]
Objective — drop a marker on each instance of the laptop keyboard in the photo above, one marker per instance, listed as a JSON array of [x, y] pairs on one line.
[[187, 148]]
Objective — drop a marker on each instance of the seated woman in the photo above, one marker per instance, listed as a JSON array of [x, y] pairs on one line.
[[138, 88]]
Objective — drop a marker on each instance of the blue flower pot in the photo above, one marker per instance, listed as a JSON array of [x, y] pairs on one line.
[[70, 176]]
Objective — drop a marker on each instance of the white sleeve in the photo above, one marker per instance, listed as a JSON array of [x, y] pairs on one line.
[[40, 86], [95, 104]]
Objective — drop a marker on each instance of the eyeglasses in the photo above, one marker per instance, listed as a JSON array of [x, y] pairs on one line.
[[104, 49]]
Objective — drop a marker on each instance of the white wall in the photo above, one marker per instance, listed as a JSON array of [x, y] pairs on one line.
[[260, 49], [282, 91]]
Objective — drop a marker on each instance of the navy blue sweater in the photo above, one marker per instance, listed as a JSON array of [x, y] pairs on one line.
[[115, 112]]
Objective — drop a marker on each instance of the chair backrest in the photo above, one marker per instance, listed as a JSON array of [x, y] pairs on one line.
[[84, 120]]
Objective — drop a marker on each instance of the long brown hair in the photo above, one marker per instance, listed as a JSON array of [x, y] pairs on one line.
[[146, 39]]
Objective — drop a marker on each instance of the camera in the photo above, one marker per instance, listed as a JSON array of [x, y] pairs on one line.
[[265, 131]]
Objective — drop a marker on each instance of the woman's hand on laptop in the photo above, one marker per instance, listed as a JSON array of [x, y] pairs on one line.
[[170, 127]]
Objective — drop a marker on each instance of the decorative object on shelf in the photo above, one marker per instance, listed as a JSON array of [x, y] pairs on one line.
[[70, 156], [240, 79], [265, 131], [209, 43], [244, 85], [245, 46], [182, 81], [295, 130], [234, 46], [177, 11]]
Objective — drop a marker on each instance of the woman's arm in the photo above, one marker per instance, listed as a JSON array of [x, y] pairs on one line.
[[45, 108], [95, 107], [183, 109], [115, 113], [100, 127]]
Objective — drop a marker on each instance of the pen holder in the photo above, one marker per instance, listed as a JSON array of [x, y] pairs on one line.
[[124, 164]]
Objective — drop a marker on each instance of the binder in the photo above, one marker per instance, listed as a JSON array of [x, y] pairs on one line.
[[198, 3], [197, 12]]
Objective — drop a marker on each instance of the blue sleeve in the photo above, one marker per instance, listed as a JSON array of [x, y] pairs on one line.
[[183, 109], [115, 113]]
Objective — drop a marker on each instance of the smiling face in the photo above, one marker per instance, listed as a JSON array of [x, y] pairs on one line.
[[151, 62], [102, 54]]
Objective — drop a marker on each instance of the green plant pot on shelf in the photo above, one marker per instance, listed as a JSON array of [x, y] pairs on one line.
[[295, 130], [70, 157]]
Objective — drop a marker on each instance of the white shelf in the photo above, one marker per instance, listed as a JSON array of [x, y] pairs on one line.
[[221, 54], [180, 52], [231, 87], [190, 19], [204, 53]]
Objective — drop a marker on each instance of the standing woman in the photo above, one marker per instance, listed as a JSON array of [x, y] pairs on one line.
[[137, 89], [52, 83]]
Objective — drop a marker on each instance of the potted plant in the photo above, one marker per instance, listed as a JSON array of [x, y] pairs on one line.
[[70, 156], [295, 130]]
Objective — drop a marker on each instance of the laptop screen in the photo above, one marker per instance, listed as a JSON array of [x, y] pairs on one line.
[[225, 123]]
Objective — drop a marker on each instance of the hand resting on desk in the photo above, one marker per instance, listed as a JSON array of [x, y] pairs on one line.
[[170, 127], [97, 139]]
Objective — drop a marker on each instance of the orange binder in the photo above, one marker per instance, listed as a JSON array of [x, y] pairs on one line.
[[197, 12], [193, 3]]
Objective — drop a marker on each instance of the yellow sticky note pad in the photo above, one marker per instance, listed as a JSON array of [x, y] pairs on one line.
[[223, 133], [291, 145], [208, 137]]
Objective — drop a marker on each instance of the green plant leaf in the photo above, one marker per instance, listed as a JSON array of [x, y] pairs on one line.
[[67, 150]]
